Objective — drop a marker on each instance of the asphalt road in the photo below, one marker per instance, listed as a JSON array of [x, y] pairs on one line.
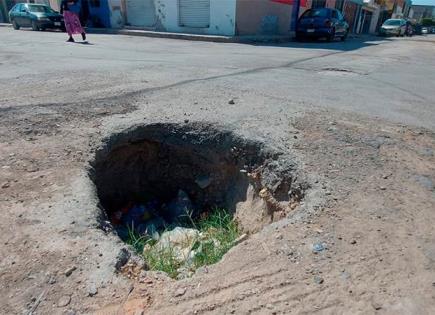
[[357, 119], [386, 78]]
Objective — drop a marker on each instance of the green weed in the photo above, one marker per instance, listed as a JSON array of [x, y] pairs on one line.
[[218, 231]]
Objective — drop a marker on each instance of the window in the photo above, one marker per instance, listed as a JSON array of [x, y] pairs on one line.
[[316, 13], [340, 16], [392, 22], [39, 8], [17, 8]]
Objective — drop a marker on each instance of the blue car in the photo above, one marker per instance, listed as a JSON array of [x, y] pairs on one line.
[[322, 23], [36, 16]]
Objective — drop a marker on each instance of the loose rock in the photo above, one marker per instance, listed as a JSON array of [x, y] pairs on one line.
[[318, 280], [180, 292], [179, 240], [64, 301], [92, 290], [70, 270]]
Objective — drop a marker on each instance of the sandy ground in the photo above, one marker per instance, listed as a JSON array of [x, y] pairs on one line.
[[358, 117]]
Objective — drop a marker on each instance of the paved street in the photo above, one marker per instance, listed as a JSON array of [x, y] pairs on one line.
[[380, 78], [357, 118]]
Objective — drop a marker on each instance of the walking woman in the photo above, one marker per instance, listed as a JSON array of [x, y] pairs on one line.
[[72, 22]]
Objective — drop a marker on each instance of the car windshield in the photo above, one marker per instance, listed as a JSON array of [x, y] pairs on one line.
[[40, 9], [316, 13], [392, 22]]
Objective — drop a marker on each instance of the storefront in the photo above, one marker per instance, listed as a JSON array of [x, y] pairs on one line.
[[212, 17]]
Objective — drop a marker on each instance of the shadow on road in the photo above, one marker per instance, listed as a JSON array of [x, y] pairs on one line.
[[348, 45]]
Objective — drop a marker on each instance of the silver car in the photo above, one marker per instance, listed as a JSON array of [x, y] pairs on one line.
[[396, 27]]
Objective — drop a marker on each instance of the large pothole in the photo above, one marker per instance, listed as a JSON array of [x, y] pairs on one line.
[[155, 178]]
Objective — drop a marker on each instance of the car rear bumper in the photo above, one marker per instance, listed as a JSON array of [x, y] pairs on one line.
[[317, 33], [389, 32], [50, 24]]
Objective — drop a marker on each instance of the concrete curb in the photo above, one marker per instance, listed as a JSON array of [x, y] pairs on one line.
[[193, 37], [184, 36], [196, 37]]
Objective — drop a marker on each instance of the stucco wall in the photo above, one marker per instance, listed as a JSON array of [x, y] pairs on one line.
[[115, 11], [257, 17], [222, 18], [55, 5], [375, 19]]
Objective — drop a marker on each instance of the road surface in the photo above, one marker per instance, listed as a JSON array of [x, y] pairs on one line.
[[358, 117]]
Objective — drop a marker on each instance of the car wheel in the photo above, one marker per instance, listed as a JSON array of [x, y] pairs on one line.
[[35, 26], [15, 25]]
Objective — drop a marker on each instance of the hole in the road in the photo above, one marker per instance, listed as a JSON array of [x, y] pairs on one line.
[[338, 71], [182, 194]]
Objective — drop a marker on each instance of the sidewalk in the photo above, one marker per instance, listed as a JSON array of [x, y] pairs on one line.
[[198, 37], [185, 36], [194, 37]]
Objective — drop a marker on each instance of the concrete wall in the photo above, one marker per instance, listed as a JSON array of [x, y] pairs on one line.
[[55, 5], [375, 19], [330, 4], [262, 17], [116, 16], [222, 18], [3, 12]]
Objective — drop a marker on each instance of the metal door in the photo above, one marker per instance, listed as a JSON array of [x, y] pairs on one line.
[[194, 13], [141, 13], [366, 22]]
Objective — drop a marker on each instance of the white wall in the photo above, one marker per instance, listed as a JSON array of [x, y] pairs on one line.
[[116, 18], [222, 18], [375, 18]]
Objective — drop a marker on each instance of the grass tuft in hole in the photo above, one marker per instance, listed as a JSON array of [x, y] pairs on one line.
[[217, 231]]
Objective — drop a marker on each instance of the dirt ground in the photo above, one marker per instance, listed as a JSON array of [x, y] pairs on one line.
[[369, 214], [376, 227]]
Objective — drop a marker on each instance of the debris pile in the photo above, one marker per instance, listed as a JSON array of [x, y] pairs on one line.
[[171, 238], [151, 218]]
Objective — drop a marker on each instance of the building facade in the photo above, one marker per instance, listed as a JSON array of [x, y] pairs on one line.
[[420, 12], [211, 17]]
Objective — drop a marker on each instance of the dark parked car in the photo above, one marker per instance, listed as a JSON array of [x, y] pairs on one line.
[[36, 16], [322, 22], [417, 29]]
